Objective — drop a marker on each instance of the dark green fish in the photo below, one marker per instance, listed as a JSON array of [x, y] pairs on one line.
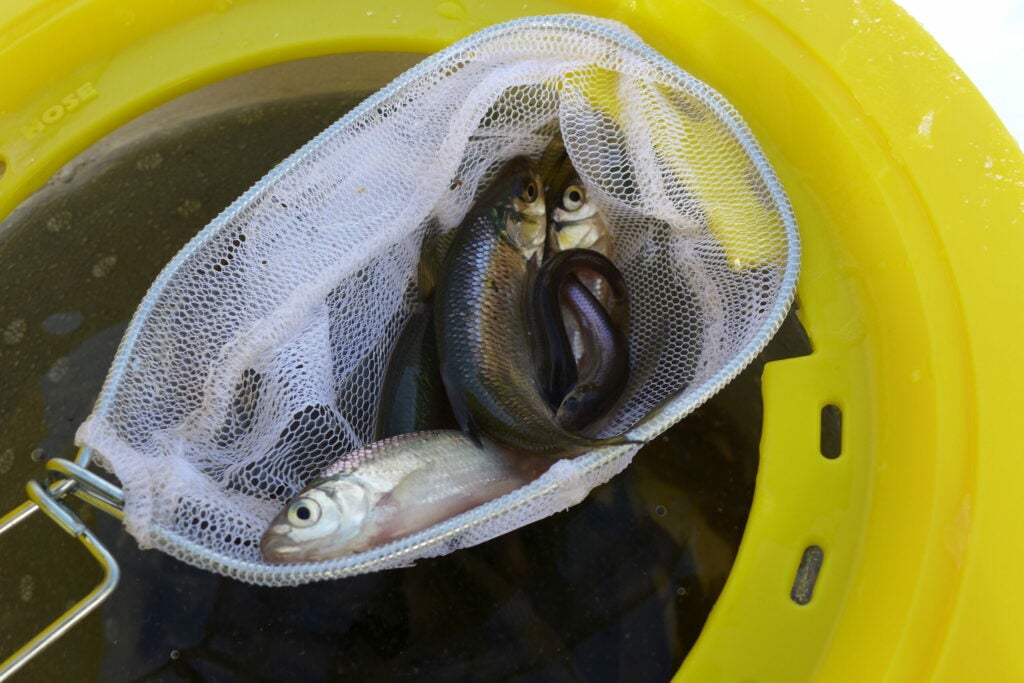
[[603, 368], [596, 375], [412, 398], [480, 317]]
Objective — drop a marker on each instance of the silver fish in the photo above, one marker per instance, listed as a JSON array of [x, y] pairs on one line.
[[389, 489], [576, 221]]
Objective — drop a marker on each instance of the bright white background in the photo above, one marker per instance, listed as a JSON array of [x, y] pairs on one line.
[[986, 38]]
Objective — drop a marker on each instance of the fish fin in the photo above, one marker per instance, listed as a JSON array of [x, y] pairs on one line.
[[408, 481], [473, 431], [460, 409], [533, 265], [620, 440]]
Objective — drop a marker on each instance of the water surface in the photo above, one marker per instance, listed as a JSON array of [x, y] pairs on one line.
[[616, 588]]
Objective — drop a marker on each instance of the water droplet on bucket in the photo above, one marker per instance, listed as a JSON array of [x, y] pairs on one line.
[[924, 129], [26, 588], [15, 331], [66, 174], [451, 9], [59, 222], [103, 267], [188, 207], [149, 162]]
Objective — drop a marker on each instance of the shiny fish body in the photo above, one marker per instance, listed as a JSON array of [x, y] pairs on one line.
[[603, 369], [412, 397], [387, 490], [484, 349], [596, 375]]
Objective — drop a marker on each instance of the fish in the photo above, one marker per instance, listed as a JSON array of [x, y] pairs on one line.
[[481, 319], [412, 396], [603, 367], [553, 166], [576, 221], [594, 378], [390, 489], [432, 250]]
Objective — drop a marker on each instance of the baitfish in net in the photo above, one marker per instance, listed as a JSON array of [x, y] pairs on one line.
[[256, 358]]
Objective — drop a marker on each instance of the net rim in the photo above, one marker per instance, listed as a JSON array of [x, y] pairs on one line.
[[671, 412]]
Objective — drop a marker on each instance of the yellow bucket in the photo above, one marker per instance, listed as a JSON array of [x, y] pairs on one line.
[[910, 197]]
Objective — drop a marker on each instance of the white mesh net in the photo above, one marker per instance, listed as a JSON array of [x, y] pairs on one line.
[[256, 358]]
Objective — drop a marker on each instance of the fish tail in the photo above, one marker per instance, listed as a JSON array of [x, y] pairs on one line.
[[584, 444], [620, 440]]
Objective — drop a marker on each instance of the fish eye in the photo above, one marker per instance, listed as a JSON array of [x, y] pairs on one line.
[[530, 192], [303, 512], [573, 197]]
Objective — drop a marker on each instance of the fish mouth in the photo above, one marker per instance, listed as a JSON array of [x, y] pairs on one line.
[[277, 548], [527, 233], [576, 235], [564, 218]]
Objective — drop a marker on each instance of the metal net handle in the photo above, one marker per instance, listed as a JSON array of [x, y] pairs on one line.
[[65, 478]]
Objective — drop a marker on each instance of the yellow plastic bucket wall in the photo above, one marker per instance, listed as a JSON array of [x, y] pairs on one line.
[[910, 196]]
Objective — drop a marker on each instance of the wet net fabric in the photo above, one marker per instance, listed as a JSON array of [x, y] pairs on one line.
[[256, 358]]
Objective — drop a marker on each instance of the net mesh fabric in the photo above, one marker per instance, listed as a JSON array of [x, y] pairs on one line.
[[255, 360]]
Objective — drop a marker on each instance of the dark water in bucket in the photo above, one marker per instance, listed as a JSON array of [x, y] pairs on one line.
[[616, 588]]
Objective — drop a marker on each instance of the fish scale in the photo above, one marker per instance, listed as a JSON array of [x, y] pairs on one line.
[[445, 458]]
